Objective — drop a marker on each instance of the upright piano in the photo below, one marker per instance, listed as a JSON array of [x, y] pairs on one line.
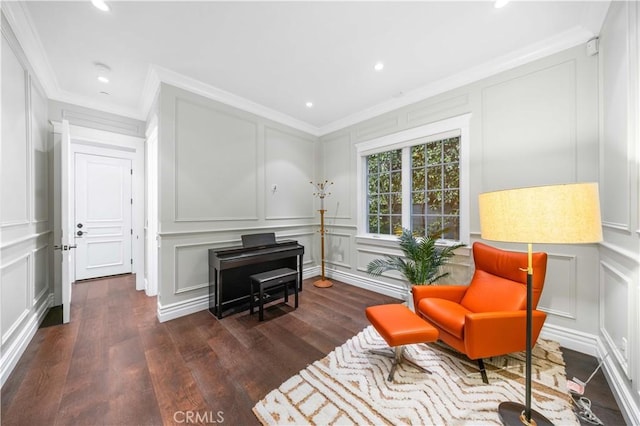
[[230, 268]]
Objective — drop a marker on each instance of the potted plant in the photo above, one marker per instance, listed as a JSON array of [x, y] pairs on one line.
[[421, 261]]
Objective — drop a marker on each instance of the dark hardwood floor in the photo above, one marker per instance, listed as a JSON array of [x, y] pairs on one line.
[[115, 364]]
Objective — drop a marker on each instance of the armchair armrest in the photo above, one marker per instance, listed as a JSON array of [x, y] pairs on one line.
[[489, 334], [448, 292]]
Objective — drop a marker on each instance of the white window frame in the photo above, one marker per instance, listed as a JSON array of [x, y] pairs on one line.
[[443, 129]]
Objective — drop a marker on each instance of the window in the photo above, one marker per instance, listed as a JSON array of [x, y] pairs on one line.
[[384, 198], [416, 179], [435, 188]]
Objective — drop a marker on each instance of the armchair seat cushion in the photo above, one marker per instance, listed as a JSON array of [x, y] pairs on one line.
[[444, 314]]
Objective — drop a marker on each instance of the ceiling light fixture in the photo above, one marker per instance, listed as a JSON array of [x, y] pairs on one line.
[[100, 4], [309, 104], [378, 66], [103, 72], [500, 3]]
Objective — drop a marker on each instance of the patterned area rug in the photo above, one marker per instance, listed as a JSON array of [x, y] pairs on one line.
[[349, 387]]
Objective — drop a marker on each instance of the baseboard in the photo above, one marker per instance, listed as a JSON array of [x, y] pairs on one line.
[[146, 288], [571, 339], [369, 284], [621, 391], [181, 309], [12, 354]]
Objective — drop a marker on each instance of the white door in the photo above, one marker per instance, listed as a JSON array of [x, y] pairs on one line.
[[66, 216], [102, 216]]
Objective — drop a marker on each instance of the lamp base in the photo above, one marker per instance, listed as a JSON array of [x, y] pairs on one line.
[[323, 283], [512, 413]]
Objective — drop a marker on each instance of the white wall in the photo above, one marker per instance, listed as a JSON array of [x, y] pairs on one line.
[[25, 217], [224, 172], [533, 125], [619, 320]]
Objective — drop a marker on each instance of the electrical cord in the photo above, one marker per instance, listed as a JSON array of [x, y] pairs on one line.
[[584, 411]]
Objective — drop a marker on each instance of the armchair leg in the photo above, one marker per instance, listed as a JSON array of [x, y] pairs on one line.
[[483, 371]]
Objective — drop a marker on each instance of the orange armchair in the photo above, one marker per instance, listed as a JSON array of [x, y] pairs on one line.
[[488, 317]]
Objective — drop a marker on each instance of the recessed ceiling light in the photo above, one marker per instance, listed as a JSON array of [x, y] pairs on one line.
[[309, 104], [102, 71], [378, 66], [500, 3], [100, 4]]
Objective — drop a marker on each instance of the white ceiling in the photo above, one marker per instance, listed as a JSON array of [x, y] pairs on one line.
[[273, 57]]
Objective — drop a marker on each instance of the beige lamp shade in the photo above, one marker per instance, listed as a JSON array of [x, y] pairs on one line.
[[554, 214]]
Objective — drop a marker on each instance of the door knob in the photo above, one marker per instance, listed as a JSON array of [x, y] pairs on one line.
[[79, 225], [80, 233]]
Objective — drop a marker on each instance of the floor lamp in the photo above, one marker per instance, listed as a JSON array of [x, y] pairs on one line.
[[321, 192], [555, 214]]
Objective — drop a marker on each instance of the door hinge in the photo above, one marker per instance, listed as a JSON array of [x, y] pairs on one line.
[[132, 171], [132, 261], [132, 201], [131, 231]]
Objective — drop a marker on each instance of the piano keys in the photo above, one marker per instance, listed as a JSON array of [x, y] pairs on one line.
[[230, 268]]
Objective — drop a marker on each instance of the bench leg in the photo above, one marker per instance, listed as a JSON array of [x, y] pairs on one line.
[[261, 304], [251, 299]]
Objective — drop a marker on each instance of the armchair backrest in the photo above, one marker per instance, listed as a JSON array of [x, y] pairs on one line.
[[499, 282]]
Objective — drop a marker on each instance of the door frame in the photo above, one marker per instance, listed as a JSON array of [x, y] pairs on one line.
[[101, 142]]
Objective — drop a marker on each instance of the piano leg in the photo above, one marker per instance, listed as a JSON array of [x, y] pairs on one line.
[[218, 298], [299, 273]]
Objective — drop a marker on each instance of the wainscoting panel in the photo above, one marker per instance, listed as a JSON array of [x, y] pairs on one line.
[[615, 72], [426, 113], [15, 294], [191, 267], [514, 143], [559, 296], [39, 135], [305, 239], [216, 164], [616, 301], [338, 161], [377, 127], [40, 272], [15, 167], [289, 167], [338, 249]]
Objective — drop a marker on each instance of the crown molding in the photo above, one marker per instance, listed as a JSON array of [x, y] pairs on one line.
[[87, 102], [565, 40], [149, 91], [192, 85]]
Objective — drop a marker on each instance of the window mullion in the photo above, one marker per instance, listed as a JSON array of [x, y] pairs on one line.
[[406, 187]]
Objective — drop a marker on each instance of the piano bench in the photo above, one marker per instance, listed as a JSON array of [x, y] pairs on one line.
[[282, 277]]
